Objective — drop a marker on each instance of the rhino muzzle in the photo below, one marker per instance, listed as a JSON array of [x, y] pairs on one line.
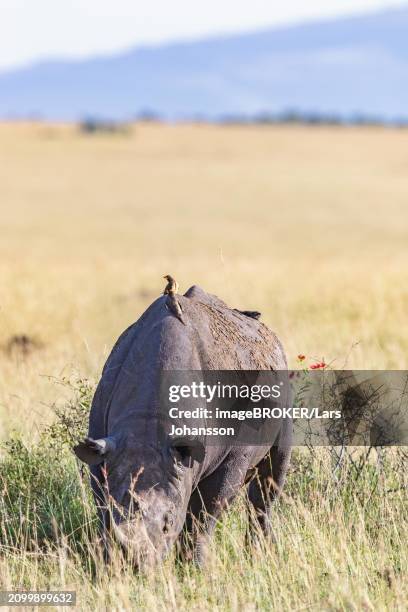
[[143, 545]]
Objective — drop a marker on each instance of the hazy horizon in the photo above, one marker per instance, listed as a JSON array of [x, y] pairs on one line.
[[35, 34], [344, 68]]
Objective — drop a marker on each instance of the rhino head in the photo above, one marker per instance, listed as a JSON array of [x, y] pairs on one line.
[[145, 489]]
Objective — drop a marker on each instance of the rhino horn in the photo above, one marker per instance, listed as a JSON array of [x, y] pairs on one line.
[[94, 452]]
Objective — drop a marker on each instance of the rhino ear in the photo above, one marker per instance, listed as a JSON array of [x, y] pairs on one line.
[[94, 452]]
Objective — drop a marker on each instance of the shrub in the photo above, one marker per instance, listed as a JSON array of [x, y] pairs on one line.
[[43, 496]]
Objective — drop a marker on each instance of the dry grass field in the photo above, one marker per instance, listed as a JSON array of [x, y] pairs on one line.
[[307, 225]]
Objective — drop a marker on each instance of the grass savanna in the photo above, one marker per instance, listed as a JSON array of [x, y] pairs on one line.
[[340, 535], [307, 225]]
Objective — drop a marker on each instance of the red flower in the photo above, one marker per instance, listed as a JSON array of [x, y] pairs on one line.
[[318, 366], [301, 357]]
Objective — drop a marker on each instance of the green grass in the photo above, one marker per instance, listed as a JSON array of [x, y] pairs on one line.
[[340, 539]]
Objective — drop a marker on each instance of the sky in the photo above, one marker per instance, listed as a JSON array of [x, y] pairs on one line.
[[32, 30]]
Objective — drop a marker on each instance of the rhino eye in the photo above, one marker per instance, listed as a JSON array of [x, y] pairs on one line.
[[193, 450], [183, 451]]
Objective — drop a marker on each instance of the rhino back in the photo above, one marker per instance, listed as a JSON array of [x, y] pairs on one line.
[[228, 339], [215, 337]]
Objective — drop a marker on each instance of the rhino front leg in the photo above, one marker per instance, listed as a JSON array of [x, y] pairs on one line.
[[207, 504]]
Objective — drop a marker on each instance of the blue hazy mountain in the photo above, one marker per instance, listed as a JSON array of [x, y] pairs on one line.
[[344, 66]]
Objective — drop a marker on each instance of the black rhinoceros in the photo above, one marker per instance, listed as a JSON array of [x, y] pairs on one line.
[[148, 489]]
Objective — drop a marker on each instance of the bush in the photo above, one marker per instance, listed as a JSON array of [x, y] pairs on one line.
[[43, 496], [102, 126]]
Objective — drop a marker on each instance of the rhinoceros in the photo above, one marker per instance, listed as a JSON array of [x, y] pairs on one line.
[[152, 493]]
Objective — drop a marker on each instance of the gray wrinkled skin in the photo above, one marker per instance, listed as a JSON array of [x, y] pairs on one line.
[[145, 491]]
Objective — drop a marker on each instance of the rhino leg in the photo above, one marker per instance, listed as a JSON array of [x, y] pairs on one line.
[[207, 503], [268, 483]]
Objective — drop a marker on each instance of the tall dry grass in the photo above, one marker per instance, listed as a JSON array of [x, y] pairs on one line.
[[340, 541], [308, 225]]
